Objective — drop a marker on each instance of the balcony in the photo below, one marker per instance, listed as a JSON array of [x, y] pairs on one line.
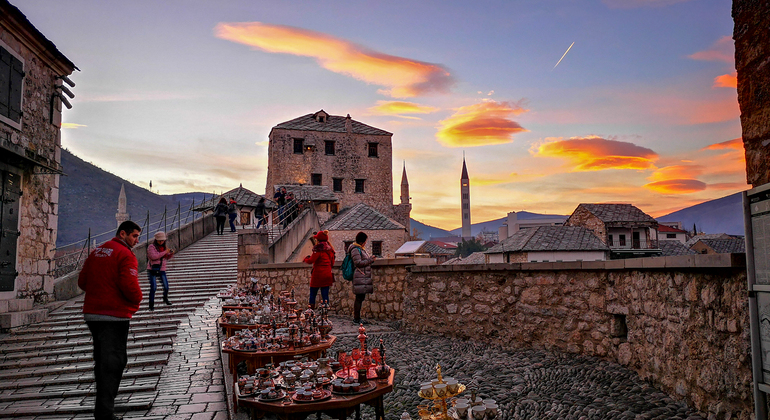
[[620, 244]]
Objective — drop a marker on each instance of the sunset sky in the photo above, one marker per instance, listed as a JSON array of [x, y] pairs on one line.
[[642, 109]]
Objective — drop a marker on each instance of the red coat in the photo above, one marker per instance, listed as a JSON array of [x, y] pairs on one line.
[[322, 260], [110, 279]]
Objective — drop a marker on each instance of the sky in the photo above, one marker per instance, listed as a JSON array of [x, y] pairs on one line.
[[641, 109]]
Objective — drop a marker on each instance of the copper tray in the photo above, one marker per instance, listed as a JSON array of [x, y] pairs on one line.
[[327, 395], [371, 387]]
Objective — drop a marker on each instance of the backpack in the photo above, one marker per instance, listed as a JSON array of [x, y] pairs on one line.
[[348, 268]]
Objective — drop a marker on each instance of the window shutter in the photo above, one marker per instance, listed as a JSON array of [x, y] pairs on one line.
[[5, 81], [9, 232], [17, 77]]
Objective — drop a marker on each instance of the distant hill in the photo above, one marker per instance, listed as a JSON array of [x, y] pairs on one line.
[[88, 198], [493, 225], [723, 215], [426, 231]]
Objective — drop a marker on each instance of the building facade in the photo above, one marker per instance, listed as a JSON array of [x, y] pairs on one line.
[[32, 71], [352, 159], [628, 231]]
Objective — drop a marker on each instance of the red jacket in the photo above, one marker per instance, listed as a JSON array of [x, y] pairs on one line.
[[322, 260], [110, 279]]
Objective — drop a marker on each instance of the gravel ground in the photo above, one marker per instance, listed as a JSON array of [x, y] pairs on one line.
[[527, 384]]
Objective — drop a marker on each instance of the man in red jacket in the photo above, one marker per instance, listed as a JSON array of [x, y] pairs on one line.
[[110, 279]]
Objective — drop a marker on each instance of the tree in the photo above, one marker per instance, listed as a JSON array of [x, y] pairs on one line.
[[415, 236], [468, 247], [694, 230]]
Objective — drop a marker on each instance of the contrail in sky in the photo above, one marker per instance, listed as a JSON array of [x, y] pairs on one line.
[[562, 57]]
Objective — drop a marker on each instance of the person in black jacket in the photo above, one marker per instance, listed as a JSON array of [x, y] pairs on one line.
[[220, 213], [259, 212]]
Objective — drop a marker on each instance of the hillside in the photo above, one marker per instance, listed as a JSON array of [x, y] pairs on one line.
[[88, 198], [723, 215], [493, 225]]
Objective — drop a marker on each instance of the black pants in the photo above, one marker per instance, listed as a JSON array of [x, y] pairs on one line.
[[110, 359], [221, 224]]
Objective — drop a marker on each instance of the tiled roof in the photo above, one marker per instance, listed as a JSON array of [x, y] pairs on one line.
[[672, 247], [690, 242], [475, 258], [669, 229], [333, 123], [243, 197], [310, 192], [618, 213], [550, 238], [432, 248], [361, 217], [726, 246]]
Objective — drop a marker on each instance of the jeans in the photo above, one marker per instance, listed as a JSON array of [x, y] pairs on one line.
[[324, 294], [220, 224], [260, 220], [154, 285], [110, 358], [232, 221]]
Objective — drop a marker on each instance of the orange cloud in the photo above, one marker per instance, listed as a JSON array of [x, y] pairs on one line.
[[401, 77], [594, 153], [674, 172], [722, 50], [481, 124], [736, 144], [726, 81], [677, 186], [398, 108], [72, 125]]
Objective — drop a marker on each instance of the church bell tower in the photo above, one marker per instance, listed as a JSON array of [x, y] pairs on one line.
[[465, 191]]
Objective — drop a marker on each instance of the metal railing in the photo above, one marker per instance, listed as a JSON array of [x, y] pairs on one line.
[[622, 243], [279, 220], [70, 257]]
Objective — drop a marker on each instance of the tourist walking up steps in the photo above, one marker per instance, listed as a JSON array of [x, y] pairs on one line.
[[220, 213], [362, 279], [321, 277], [157, 255], [232, 212], [259, 212], [110, 279]]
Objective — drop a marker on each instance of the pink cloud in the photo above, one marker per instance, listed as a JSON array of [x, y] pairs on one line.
[[594, 153], [481, 124], [726, 81], [722, 50]]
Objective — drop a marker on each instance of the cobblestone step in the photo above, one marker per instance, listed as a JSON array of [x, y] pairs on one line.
[[77, 359], [136, 322], [61, 410], [91, 391], [82, 347], [81, 333], [48, 371], [132, 340], [129, 376]]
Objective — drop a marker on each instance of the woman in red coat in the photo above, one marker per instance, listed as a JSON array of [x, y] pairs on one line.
[[322, 260]]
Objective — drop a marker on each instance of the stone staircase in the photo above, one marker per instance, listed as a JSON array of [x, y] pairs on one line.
[[17, 312], [46, 369]]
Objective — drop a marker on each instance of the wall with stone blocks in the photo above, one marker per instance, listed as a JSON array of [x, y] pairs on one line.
[[680, 322]]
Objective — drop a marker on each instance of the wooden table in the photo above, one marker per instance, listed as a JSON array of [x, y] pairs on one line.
[[257, 359], [338, 407], [230, 329]]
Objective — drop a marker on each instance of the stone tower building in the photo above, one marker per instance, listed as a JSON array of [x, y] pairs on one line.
[[122, 214], [351, 158], [465, 191]]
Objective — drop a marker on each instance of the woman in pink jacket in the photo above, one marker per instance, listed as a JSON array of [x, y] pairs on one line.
[[157, 255]]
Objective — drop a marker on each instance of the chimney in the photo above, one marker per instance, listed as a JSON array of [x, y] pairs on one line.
[[348, 125]]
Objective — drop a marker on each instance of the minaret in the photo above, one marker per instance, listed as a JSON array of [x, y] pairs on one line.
[[122, 215], [404, 187], [465, 191]]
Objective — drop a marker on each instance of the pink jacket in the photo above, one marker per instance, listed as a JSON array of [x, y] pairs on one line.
[[154, 257]]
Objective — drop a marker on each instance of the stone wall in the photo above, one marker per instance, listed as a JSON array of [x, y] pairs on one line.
[[386, 303], [586, 219], [38, 138], [350, 162], [680, 322], [752, 61]]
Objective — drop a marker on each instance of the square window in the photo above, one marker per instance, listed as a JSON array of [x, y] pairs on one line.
[[11, 80], [377, 248], [360, 185], [671, 235], [299, 146], [373, 150], [337, 184], [622, 240], [334, 208], [329, 147], [315, 179]]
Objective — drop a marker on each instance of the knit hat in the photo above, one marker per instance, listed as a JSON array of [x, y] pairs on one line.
[[160, 236], [322, 236]]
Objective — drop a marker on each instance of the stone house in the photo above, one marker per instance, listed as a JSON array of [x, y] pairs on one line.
[[321, 197], [440, 252], [32, 70], [549, 244], [247, 203], [628, 231], [385, 234], [352, 159]]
